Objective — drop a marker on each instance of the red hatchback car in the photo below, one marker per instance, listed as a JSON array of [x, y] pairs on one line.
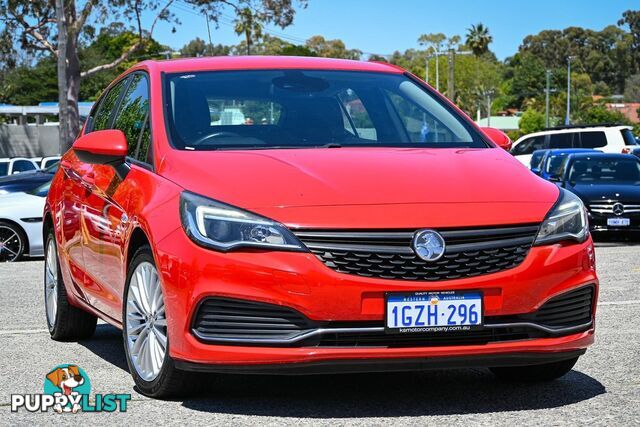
[[304, 215]]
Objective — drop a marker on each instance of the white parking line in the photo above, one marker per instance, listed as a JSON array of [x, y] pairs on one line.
[[23, 331], [629, 302]]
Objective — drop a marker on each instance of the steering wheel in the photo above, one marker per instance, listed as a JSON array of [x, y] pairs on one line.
[[215, 135]]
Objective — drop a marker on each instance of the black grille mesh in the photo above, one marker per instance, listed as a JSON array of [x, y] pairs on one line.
[[569, 309], [388, 255]]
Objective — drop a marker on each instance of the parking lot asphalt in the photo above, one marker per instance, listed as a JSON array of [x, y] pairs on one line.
[[603, 388]]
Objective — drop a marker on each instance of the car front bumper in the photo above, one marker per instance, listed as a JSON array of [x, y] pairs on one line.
[[298, 280]]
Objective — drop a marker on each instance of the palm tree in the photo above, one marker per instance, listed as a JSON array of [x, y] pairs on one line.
[[478, 39]]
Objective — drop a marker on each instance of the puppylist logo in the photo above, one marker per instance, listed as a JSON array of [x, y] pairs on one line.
[[66, 390]]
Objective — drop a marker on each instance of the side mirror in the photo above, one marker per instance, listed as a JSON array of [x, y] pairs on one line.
[[498, 137], [104, 147], [536, 171]]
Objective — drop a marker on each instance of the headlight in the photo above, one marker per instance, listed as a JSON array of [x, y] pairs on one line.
[[567, 220], [223, 227]]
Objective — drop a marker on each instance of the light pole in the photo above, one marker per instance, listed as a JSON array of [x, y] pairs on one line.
[[489, 94], [546, 101], [426, 74], [437, 71], [567, 118]]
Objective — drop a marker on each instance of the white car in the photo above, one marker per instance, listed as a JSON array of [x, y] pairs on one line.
[[21, 224], [17, 165], [608, 139]]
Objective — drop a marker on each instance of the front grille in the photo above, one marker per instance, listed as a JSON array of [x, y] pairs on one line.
[[388, 254], [239, 322], [608, 208]]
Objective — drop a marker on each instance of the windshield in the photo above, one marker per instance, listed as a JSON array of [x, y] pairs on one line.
[[605, 171], [308, 108], [41, 190]]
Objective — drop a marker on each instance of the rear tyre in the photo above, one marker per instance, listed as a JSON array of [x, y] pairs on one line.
[[146, 341], [13, 242], [535, 373], [65, 322]]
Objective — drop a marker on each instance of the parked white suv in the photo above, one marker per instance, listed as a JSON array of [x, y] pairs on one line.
[[17, 165], [608, 139]]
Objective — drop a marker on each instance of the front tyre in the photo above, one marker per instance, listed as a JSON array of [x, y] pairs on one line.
[[65, 322], [13, 242], [535, 373], [146, 342]]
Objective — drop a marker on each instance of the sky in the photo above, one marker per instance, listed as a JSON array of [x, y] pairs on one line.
[[383, 26]]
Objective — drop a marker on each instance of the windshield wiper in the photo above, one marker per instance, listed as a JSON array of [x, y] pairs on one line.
[[331, 145]]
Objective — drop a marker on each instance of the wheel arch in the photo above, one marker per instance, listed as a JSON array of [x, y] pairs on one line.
[[138, 239]]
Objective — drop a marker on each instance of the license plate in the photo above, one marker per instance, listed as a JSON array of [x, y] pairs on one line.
[[433, 311], [619, 222]]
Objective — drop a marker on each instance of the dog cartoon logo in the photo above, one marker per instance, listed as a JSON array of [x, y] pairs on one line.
[[69, 381]]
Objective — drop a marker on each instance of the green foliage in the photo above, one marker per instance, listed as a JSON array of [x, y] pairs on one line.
[[478, 39], [599, 114], [532, 121], [632, 88]]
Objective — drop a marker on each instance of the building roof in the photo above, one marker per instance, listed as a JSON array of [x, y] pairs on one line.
[[501, 122]]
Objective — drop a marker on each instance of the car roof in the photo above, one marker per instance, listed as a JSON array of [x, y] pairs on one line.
[[570, 151], [574, 130], [601, 155], [220, 63]]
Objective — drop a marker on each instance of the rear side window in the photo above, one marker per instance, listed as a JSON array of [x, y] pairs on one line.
[[628, 137], [107, 104], [593, 139], [529, 145], [132, 116], [4, 168], [23, 166], [561, 140]]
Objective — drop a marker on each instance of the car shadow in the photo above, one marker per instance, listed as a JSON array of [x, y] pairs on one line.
[[436, 392], [106, 343]]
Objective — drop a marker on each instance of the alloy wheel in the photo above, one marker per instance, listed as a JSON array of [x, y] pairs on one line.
[[10, 244], [145, 323], [51, 282]]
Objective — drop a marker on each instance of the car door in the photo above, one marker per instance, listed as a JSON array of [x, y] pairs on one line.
[[78, 182], [105, 214]]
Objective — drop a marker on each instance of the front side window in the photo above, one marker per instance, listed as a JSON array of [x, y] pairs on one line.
[[529, 145], [308, 108], [107, 104], [23, 166], [603, 171], [132, 117]]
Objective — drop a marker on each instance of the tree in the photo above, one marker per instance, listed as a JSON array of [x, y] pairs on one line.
[[531, 121], [198, 47], [599, 114], [478, 39], [632, 19], [331, 48], [632, 89], [38, 26]]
